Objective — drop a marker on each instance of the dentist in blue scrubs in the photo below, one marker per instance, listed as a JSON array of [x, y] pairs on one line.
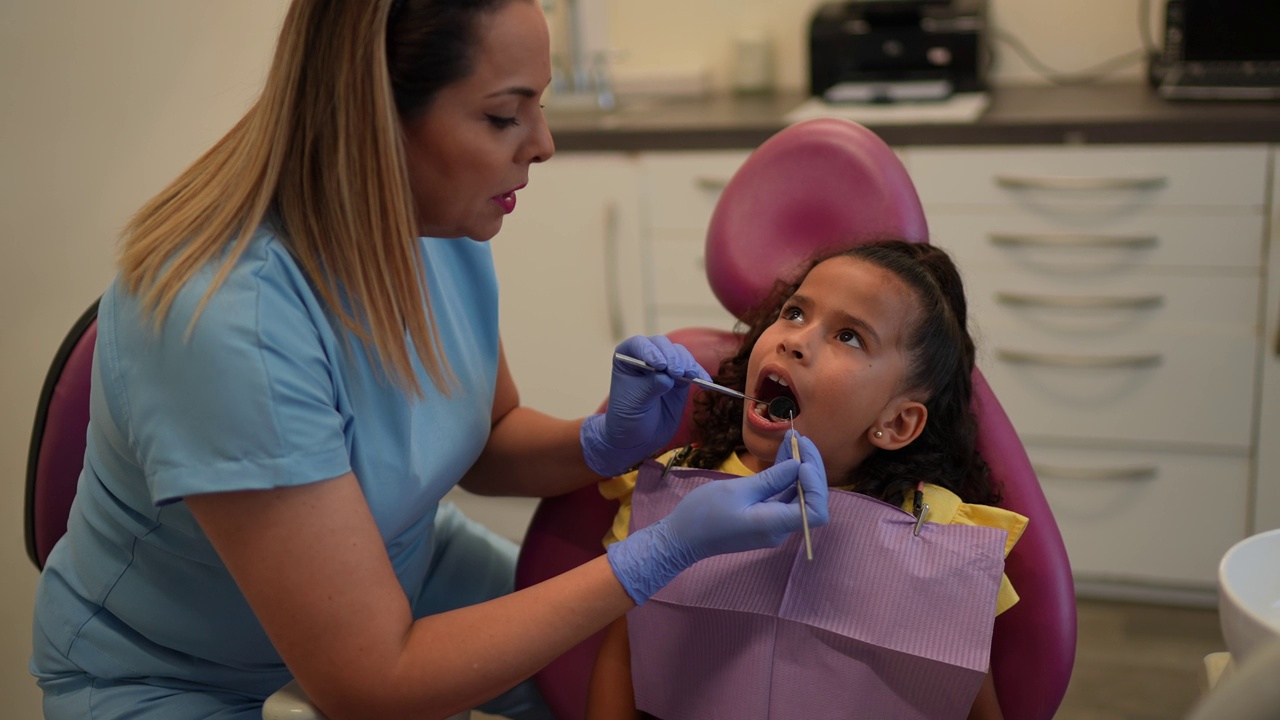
[[300, 356]]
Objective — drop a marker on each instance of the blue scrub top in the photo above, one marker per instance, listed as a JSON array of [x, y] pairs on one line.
[[269, 390]]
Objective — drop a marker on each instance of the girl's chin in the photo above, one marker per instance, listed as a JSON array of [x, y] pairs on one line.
[[759, 456]]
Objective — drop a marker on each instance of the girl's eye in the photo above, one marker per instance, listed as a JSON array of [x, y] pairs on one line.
[[849, 337], [791, 313], [502, 123]]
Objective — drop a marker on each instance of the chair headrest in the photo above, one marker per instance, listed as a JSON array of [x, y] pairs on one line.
[[817, 185]]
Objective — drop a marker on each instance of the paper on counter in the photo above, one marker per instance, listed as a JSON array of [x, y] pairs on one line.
[[959, 108]]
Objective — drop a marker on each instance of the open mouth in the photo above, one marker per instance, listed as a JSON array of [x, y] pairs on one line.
[[778, 402]]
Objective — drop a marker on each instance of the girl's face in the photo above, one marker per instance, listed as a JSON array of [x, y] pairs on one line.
[[472, 148], [837, 348]]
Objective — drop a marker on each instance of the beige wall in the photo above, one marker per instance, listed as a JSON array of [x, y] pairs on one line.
[[1067, 36], [102, 102]]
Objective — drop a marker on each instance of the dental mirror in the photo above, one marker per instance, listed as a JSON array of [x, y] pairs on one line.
[[783, 408]]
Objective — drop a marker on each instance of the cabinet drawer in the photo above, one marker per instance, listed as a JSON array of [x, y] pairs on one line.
[[680, 271], [1170, 389], [1080, 310], [1134, 177], [1099, 242], [683, 187], [673, 317], [1164, 517]]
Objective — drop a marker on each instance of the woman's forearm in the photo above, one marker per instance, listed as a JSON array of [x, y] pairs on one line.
[[312, 563], [493, 645], [530, 454]]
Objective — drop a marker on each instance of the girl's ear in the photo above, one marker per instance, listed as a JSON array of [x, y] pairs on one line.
[[902, 422]]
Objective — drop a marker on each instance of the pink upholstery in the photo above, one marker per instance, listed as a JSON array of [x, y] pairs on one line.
[[567, 531], [56, 455], [1034, 648], [822, 184], [816, 185]]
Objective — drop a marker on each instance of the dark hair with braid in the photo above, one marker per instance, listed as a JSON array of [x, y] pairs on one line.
[[940, 361]]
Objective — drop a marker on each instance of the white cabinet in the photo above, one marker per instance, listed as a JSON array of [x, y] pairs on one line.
[[1114, 294], [568, 270], [1266, 515], [680, 193]]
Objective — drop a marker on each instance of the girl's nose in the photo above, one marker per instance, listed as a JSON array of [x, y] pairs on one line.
[[795, 344]]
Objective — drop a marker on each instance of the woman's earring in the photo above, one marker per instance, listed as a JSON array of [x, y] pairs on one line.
[[879, 434]]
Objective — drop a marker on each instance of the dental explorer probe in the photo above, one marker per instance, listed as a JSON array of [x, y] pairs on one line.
[[779, 407], [804, 510]]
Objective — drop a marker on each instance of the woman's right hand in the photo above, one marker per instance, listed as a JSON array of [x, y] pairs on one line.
[[645, 406], [734, 515]]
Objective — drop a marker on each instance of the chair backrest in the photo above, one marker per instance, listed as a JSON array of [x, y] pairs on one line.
[[56, 455], [813, 186]]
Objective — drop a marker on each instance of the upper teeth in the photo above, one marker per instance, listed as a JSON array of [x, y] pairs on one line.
[[778, 379]]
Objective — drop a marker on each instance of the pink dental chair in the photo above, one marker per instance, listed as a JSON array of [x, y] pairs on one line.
[[815, 185]]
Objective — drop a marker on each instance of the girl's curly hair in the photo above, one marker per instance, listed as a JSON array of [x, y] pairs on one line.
[[940, 367]]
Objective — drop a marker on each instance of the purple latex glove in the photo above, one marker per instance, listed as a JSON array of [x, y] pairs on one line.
[[746, 513], [645, 406]]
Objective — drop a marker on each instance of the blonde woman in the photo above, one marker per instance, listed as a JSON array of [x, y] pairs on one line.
[[300, 357]]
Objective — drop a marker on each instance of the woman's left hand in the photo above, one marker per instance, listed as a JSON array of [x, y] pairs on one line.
[[645, 406]]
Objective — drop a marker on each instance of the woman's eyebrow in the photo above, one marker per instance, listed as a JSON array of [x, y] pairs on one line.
[[519, 90]]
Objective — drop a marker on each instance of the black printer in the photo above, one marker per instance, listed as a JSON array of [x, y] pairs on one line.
[[890, 50]]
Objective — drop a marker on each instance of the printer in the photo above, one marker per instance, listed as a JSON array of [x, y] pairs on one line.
[[897, 50]]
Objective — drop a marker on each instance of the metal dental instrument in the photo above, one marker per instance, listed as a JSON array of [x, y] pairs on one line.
[[919, 508], [804, 512], [779, 407]]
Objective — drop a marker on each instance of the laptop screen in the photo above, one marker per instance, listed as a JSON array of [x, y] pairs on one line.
[[1231, 30]]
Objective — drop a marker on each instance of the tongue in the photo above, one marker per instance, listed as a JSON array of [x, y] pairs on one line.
[[783, 408]]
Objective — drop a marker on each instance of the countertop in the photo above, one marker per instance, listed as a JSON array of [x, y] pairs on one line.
[[1086, 114]]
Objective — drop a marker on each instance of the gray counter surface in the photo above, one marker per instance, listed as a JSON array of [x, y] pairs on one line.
[[1120, 113]]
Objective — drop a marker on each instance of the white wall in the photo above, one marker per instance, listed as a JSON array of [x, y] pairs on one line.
[[101, 103]]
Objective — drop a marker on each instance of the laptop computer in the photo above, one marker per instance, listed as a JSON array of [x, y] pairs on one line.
[[1220, 50]]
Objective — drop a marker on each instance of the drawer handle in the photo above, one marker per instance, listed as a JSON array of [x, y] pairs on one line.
[[1057, 240], [1079, 361], [1095, 302], [1144, 472], [1048, 182], [711, 184], [613, 298]]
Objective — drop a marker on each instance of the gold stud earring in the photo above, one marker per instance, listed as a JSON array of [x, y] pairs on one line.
[[879, 434]]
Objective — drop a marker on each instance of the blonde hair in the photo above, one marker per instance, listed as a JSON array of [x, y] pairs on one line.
[[322, 151]]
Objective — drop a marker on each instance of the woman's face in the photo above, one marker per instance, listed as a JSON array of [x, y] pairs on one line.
[[472, 148], [837, 348]]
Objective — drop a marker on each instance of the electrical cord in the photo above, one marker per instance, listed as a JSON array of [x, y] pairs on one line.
[[1091, 74]]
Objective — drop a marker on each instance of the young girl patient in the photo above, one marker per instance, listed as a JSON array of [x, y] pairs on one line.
[[872, 346]]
